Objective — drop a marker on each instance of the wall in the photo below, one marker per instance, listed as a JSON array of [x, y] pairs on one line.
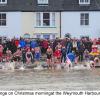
[[44, 30], [71, 24], [27, 22], [13, 27], [19, 23]]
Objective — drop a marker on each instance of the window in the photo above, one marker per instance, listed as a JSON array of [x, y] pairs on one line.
[[2, 19], [84, 19], [53, 36], [84, 1], [3, 1], [26, 35], [43, 2], [38, 36], [46, 36], [45, 19]]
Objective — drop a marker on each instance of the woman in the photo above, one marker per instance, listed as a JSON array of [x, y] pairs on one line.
[[57, 55], [33, 51], [49, 56], [23, 55], [29, 56], [37, 54], [59, 46], [17, 55], [8, 55]]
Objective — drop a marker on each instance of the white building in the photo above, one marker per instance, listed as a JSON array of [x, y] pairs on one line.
[[81, 18], [50, 18], [10, 24], [39, 18]]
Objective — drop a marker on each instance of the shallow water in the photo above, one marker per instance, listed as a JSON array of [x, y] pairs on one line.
[[50, 80]]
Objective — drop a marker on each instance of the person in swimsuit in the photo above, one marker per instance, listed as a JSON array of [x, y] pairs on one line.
[[29, 56], [37, 55], [17, 55], [33, 51], [49, 54], [23, 55], [59, 46], [8, 55], [57, 56]]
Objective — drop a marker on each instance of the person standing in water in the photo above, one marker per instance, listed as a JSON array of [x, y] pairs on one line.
[[1, 52], [17, 55], [23, 55], [63, 54], [33, 51], [29, 56], [37, 54], [59, 46], [8, 55], [49, 54], [57, 56]]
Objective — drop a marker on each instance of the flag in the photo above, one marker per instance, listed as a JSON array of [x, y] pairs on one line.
[[68, 61]]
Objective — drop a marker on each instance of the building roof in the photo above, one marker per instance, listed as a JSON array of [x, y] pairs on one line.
[[73, 5], [31, 5], [17, 5], [54, 5]]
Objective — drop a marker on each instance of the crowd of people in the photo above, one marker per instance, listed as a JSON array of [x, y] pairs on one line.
[[56, 51]]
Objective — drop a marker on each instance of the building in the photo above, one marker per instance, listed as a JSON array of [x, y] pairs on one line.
[[81, 18], [49, 18], [39, 18]]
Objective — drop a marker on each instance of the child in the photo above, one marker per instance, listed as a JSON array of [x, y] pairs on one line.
[[29, 56]]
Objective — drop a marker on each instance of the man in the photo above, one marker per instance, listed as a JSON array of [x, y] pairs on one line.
[[1, 52], [63, 52]]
